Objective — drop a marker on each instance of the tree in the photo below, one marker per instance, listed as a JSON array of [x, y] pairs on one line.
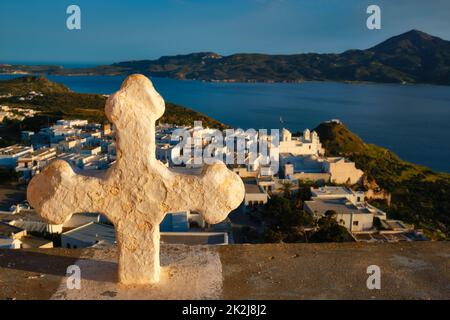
[[304, 192], [330, 214], [273, 236], [330, 230], [287, 189], [284, 220], [278, 211]]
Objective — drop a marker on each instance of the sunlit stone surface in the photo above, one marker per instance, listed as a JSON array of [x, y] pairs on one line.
[[137, 191]]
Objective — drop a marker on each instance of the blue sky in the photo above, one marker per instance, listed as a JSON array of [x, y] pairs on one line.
[[35, 31]]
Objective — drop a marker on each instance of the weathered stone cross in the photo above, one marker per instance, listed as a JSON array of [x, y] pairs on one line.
[[138, 190]]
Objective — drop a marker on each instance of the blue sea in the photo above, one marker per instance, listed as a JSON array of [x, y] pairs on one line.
[[411, 120]]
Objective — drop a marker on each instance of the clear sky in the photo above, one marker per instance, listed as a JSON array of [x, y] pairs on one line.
[[35, 31]]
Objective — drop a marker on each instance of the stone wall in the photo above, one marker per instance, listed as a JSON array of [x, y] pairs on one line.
[[409, 270]]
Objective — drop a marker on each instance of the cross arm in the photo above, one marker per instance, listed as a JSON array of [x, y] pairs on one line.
[[58, 192], [213, 194]]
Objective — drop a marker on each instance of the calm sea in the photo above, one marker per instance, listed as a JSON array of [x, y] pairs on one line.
[[411, 120]]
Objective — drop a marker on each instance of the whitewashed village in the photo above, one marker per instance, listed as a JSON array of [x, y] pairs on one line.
[[334, 184]]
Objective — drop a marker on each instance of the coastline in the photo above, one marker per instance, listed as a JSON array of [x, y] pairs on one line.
[[230, 81], [302, 106]]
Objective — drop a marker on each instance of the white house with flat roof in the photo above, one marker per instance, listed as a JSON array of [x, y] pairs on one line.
[[88, 235], [71, 144], [351, 209], [32, 163], [14, 237], [337, 192], [255, 195], [10, 155], [355, 217]]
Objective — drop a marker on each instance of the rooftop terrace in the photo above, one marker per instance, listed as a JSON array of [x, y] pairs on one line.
[[14, 149], [338, 205]]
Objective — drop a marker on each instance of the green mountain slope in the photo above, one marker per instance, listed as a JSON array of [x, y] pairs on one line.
[[59, 102], [24, 85], [419, 195]]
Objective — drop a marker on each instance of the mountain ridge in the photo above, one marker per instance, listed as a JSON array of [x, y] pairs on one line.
[[411, 57]]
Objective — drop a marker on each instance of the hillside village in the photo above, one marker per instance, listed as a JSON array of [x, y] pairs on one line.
[[8, 113], [335, 185]]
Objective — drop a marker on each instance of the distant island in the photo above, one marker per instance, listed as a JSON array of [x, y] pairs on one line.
[[412, 57]]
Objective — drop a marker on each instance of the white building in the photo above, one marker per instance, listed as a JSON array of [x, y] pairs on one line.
[[31, 164], [89, 235], [8, 243], [10, 155], [342, 170], [30, 221], [320, 169], [72, 123], [303, 168], [91, 150], [332, 192], [255, 195], [81, 219], [355, 217], [71, 144], [13, 237], [351, 209], [87, 161], [308, 144], [68, 128]]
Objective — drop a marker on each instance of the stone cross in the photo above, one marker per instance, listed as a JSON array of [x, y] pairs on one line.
[[138, 190]]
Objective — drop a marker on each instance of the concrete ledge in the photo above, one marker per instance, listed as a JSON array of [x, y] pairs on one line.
[[417, 270]]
